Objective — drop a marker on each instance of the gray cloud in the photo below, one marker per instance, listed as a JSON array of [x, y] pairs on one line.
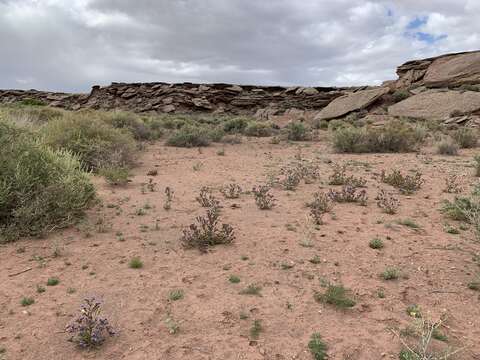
[[73, 44]]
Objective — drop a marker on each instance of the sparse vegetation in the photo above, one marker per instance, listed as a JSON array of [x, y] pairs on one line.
[[231, 191], [317, 347], [339, 177], [135, 263], [447, 147], [263, 198], [390, 273], [376, 243], [335, 295], [387, 202], [466, 137], [319, 206], [407, 184], [348, 193]]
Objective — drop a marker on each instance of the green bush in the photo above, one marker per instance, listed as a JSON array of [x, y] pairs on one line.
[[297, 131], [128, 121], [190, 136], [115, 175], [35, 115], [396, 136], [40, 189], [400, 95], [447, 147], [259, 129], [236, 125], [466, 138], [96, 143], [32, 102]]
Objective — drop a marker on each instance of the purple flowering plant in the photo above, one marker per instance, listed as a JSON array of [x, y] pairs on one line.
[[89, 329]]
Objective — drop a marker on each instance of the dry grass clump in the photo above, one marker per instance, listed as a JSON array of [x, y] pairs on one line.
[[407, 184]]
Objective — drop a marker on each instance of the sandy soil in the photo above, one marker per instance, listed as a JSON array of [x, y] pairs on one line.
[[436, 265]]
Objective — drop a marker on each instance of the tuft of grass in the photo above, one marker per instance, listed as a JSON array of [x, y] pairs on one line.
[[390, 273], [176, 294], [135, 263], [256, 329], [466, 138], [317, 347], [234, 279], [447, 147], [297, 131], [252, 289], [53, 281], [376, 243], [27, 301], [335, 295], [408, 223], [115, 175]]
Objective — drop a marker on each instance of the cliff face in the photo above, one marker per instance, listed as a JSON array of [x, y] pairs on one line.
[[184, 98], [457, 72]]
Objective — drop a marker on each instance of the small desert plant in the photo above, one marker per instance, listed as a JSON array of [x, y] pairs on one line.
[[206, 199], [235, 125], [231, 191], [258, 129], [263, 198], [319, 206], [234, 279], [339, 177], [135, 263], [190, 136], [206, 232], [447, 147], [335, 295], [348, 193], [400, 95], [32, 102], [296, 131], [407, 184], [291, 180], [129, 122], [252, 289], [317, 347], [53, 281], [451, 184], [462, 209], [175, 295], [27, 301], [167, 205], [390, 273], [256, 329], [376, 243], [408, 223], [466, 138], [115, 175], [387, 202], [89, 328]]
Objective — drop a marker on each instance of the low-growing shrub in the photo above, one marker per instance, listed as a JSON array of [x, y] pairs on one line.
[[396, 136], [321, 204], [206, 199], [466, 137], [335, 295], [462, 209], [259, 129], [339, 177], [317, 347], [128, 121], [400, 95], [387, 202], [447, 147], [236, 125], [406, 184], [207, 233], [349, 193], [115, 175], [32, 102], [190, 136], [89, 329], [263, 198], [297, 131], [231, 191], [40, 189], [96, 143]]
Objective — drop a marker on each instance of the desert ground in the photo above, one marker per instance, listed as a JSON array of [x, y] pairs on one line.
[[185, 304]]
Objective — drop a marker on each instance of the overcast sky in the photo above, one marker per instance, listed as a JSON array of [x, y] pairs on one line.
[[70, 45]]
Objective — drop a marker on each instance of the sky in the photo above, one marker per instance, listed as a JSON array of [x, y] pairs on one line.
[[70, 45]]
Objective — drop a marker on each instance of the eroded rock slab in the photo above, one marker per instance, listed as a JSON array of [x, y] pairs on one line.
[[436, 104], [351, 102]]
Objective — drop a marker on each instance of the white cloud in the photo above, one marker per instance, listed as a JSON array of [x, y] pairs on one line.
[[73, 44]]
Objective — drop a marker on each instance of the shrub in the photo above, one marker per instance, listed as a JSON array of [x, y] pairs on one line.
[[89, 328], [97, 144], [263, 198], [27, 301], [190, 136], [335, 295], [236, 125], [40, 189], [231, 191], [390, 273], [115, 175], [128, 121], [407, 184], [348, 193], [462, 209], [296, 131], [396, 136], [400, 95], [207, 233], [32, 102], [387, 202], [466, 138], [317, 347], [339, 177], [259, 129], [53, 281], [447, 147], [376, 243], [320, 205], [135, 263], [33, 114], [206, 199]]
